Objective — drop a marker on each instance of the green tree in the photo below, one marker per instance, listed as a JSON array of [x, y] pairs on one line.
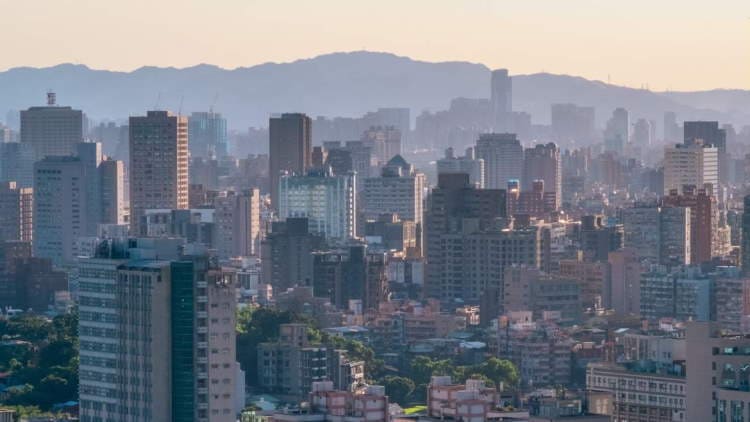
[[500, 371], [255, 326], [398, 389]]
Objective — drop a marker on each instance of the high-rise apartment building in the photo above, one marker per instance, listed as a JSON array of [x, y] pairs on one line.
[[16, 212], [290, 149], [52, 130], [503, 158], [703, 219], [157, 335], [617, 133], [502, 100], [158, 164], [207, 132], [696, 164], [237, 219], [542, 162], [463, 237], [328, 202]]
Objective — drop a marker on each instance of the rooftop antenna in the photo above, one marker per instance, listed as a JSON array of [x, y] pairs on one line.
[[158, 100], [51, 98], [179, 110]]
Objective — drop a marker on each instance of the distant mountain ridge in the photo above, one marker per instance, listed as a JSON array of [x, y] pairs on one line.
[[340, 84]]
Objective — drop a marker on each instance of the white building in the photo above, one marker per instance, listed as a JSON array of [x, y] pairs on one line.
[[327, 201], [693, 164]]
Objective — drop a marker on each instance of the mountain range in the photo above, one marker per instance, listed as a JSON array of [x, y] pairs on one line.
[[341, 84]]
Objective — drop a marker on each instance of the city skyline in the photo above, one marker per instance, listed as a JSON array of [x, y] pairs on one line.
[[637, 44]]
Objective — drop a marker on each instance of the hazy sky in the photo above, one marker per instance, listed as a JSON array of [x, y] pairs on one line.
[[667, 44]]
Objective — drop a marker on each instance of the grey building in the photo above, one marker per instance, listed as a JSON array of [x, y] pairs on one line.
[[290, 149], [52, 130], [158, 164]]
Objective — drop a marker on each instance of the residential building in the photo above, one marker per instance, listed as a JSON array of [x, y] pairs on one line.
[[290, 366], [453, 203], [637, 395], [529, 289], [703, 219], [176, 340], [717, 387], [237, 219]]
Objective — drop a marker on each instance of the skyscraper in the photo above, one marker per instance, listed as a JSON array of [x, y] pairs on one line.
[[542, 162], [694, 164], [158, 164], [290, 149], [503, 158], [502, 100], [60, 207], [51, 129], [207, 132], [617, 133], [157, 335], [328, 201]]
